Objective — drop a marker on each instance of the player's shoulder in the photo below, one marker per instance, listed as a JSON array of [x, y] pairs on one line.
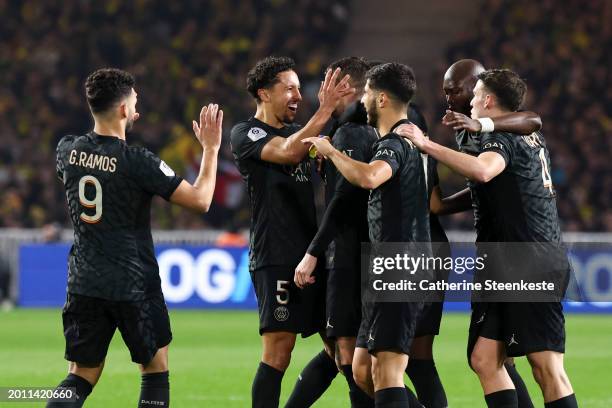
[[250, 128], [400, 143], [137, 152], [390, 145], [353, 126], [498, 139], [242, 126], [358, 133], [70, 140]]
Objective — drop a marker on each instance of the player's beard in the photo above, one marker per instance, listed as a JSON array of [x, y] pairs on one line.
[[372, 114], [129, 124]]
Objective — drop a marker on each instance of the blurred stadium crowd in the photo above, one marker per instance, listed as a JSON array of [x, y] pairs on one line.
[[563, 52], [185, 54]]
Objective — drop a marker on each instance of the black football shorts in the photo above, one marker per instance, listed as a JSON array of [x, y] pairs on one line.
[[90, 323], [343, 303], [285, 307], [524, 328], [388, 326]]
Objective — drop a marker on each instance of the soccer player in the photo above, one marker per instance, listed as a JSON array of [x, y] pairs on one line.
[[458, 86], [273, 161], [113, 277], [514, 177], [344, 226], [397, 212]]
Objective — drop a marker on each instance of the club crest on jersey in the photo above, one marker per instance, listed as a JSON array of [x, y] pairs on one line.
[[281, 313], [166, 169], [256, 133]]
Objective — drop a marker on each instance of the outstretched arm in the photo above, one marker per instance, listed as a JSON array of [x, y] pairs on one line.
[[364, 175], [481, 169], [522, 123], [208, 132], [458, 202], [291, 150]]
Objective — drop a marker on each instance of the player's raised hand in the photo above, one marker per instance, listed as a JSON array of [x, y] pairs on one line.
[[322, 144], [332, 90], [412, 132], [209, 130], [459, 121], [303, 272]]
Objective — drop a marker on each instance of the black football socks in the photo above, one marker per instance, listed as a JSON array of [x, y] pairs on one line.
[[502, 399], [359, 399], [522, 395], [565, 402], [80, 385], [312, 382], [427, 384], [266, 387], [154, 390]]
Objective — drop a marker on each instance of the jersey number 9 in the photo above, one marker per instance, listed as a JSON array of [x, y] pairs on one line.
[[96, 203]]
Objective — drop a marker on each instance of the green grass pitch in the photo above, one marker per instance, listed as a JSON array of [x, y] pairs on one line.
[[214, 355]]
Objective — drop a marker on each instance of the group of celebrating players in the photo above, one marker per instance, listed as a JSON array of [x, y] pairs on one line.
[[381, 186]]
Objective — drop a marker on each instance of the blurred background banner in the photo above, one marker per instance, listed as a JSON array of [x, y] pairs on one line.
[[217, 277], [192, 276]]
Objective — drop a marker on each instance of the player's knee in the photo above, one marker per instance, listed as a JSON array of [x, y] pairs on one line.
[[280, 360], [277, 353], [361, 375], [91, 373], [481, 364], [346, 352], [158, 363], [547, 372], [155, 366]]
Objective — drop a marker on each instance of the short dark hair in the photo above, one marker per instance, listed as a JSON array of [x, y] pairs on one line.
[[265, 73], [107, 86], [506, 85], [395, 78], [354, 66], [374, 62]]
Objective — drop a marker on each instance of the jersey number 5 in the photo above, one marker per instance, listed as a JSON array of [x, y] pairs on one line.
[[282, 292], [96, 203]]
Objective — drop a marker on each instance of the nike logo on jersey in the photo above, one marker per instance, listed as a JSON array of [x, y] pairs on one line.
[[512, 341], [329, 326]]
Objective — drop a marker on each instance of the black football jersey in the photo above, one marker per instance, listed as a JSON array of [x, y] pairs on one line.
[[283, 215], [522, 198], [436, 230], [109, 187], [344, 225], [469, 143], [398, 210]]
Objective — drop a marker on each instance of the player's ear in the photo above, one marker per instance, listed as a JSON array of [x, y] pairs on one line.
[[263, 94], [382, 100], [488, 101], [123, 110]]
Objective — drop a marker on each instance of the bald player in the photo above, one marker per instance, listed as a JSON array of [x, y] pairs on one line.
[[458, 85]]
